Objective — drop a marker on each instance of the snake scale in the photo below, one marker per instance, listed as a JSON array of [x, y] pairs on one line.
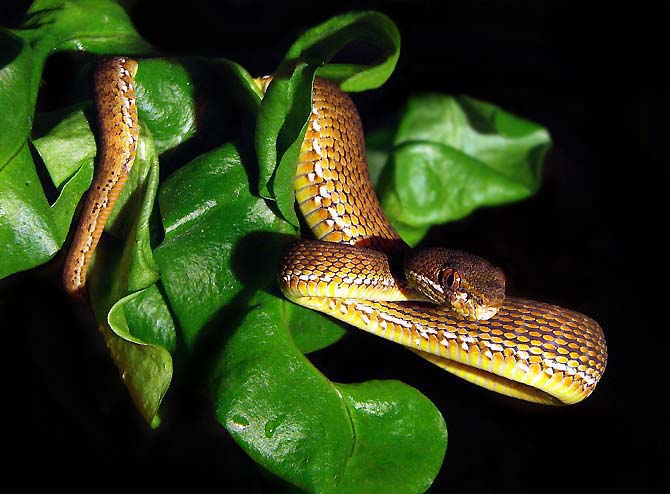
[[525, 349]]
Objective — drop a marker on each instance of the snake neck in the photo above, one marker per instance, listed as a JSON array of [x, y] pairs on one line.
[[332, 183]]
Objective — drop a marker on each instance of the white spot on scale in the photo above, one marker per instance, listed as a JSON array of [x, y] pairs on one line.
[[315, 124], [323, 191], [311, 176], [423, 330], [366, 309], [444, 342], [316, 146], [396, 320]]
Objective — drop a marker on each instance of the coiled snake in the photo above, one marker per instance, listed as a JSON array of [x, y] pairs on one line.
[[449, 307]]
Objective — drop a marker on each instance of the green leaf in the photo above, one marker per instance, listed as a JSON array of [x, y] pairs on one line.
[[455, 154], [282, 123], [322, 437], [32, 230], [311, 330], [96, 26], [282, 412], [145, 368], [219, 239], [395, 426], [16, 98], [67, 147], [165, 102], [134, 318], [28, 234], [286, 106], [227, 97], [149, 318]]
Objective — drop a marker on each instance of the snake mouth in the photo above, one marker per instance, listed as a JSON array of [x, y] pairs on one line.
[[471, 307]]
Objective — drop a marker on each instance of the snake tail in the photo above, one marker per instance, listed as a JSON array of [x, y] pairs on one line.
[[114, 95]]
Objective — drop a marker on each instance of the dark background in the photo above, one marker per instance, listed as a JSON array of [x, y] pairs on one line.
[[589, 76]]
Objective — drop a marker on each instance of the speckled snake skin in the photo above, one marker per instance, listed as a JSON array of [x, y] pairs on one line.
[[529, 350], [114, 95]]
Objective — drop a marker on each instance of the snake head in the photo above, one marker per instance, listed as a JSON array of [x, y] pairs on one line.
[[468, 284]]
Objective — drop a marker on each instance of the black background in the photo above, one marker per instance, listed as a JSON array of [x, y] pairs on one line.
[[589, 76]]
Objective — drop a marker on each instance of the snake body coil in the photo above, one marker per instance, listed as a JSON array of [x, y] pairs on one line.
[[529, 350]]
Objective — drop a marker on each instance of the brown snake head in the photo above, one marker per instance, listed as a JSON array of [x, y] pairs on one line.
[[469, 284]]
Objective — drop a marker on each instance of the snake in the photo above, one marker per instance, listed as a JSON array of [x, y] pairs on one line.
[[114, 95], [447, 306]]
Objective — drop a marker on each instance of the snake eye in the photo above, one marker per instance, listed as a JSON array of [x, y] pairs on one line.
[[450, 279]]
